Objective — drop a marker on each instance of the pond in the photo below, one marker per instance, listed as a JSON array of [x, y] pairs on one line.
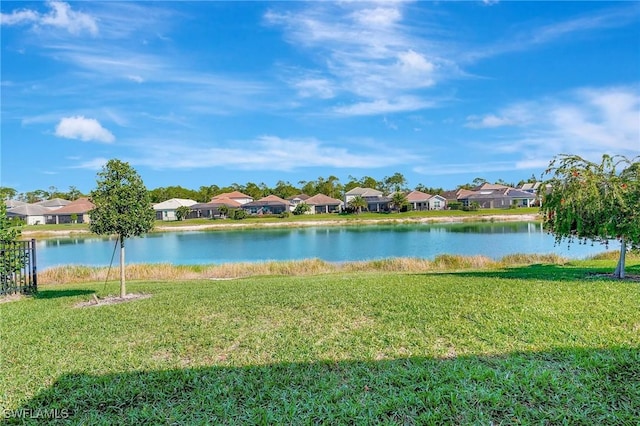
[[334, 244]]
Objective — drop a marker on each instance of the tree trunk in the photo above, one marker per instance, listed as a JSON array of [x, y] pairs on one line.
[[619, 272], [123, 287]]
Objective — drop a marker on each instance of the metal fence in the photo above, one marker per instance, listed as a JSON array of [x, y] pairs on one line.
[[18, 268]]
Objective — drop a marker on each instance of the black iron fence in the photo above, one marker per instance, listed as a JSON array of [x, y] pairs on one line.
[[18, 268]]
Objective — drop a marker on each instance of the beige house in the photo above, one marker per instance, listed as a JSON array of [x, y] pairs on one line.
[[321, 203], [166, 210], [75, 212]]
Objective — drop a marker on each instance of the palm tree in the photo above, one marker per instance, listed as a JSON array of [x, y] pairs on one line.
[[398, 199], [357, 203]]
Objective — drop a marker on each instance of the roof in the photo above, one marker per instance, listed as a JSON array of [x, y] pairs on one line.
[[234, 194], [530, 186], [490, 186], [322, 200], [173, 204], [29, 210], [269, 200], [364, 192], [54, 203], [79, 206], [415, 196], [217, 202], [302, 197], [13, 203]]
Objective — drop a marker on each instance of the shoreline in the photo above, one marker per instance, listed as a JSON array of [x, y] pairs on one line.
[[233, 225]]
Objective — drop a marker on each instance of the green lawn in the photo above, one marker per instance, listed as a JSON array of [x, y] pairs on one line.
[[541, 344]]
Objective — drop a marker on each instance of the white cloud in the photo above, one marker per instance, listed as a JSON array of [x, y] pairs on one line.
[[60, 16], [364, 50], [587, 122], [383, 106], [315, 87], [86, 129], [93, 164], [268, 153]]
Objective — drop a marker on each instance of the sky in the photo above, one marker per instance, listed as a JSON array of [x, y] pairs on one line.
[[203, 93]]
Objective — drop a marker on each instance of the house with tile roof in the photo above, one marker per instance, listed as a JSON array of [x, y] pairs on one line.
[[321, 203], [75, 212], [212, 209], [376, 200], [271, 204], [498, 198], [236, 196]]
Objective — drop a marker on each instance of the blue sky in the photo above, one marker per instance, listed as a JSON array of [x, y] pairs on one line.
[[202, 93]]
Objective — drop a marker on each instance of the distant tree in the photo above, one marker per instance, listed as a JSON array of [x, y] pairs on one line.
[[7, 193], [301, 208], [478, 181], [395, 183], [182, 212], [122, 207], [308, 188], [35, 196], [285, 190], [206, 193], [429, 190], [74, 217], [365, 182], [589, 201], [253, 190], [161, 194], [330, 186], [73, 194], [358, 203], [399, 201]]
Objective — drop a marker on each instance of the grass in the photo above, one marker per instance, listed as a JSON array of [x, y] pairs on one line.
[[543, 344], [165, 271]]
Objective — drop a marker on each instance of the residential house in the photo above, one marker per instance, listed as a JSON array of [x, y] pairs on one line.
[[212, 208], [376, 200], [32, 214], [321, 203], [498, 198], [75, 212], [297, 199], [236, 196], [271, 204], [166, 210]]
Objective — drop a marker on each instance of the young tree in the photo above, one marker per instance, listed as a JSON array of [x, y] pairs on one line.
[[182, 212], [358, 203], [399, 200], [122, 207], [8, 235], [223, 210], [590, 201], [301, 208]]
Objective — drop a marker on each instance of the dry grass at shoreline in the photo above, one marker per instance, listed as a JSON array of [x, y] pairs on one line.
[[168, 272]]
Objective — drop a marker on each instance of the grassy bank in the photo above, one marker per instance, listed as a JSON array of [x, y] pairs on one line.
[[540, 343]]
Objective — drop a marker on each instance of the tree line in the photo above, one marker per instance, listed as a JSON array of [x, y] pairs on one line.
[[330, 186]]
